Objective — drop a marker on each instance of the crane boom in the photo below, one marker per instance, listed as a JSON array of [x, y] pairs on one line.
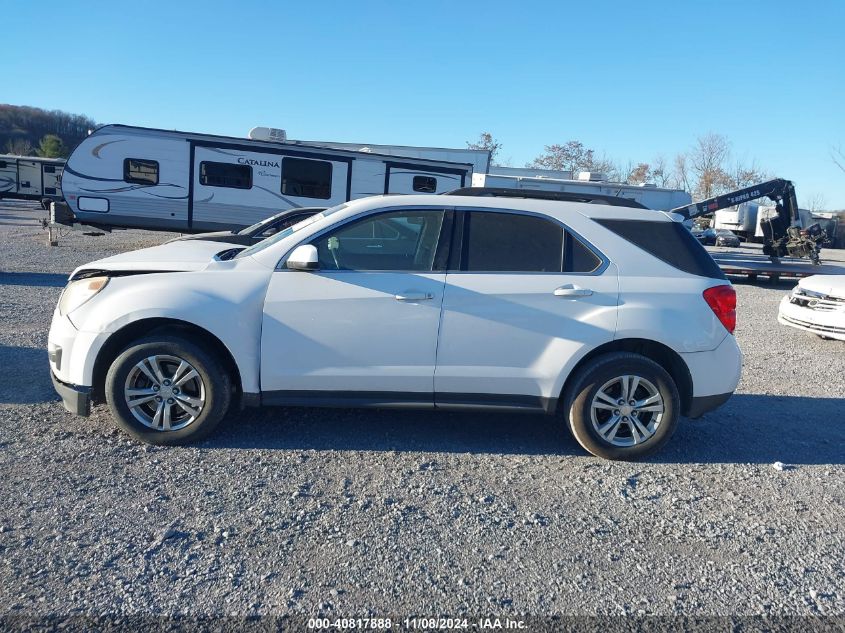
[[782, 234]]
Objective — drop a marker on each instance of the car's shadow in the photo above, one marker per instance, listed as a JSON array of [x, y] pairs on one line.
[[750, 428], [32, 279], [25, 376]]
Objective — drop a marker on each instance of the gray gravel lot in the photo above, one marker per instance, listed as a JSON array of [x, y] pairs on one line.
[[346, 512]]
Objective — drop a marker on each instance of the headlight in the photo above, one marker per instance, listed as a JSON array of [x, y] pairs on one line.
[[78, 292]]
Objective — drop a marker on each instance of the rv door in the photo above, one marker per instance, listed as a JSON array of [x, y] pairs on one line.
[[29, 177]]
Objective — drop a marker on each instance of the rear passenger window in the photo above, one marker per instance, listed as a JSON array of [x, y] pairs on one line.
[[509, 242], [142, 172], [225, 175], [577, 258]]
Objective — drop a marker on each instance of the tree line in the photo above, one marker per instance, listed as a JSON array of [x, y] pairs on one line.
[[706, 169], [28, 131]]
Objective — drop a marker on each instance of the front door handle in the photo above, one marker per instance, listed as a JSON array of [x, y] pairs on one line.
[[571, 290], [411, 295]]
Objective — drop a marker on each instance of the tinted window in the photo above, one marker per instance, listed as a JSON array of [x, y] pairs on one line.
[[3, 164], [143, 172], [225, 175], [49, 169], [307, 178], [578, 258], [425, 184], [401, 240], [510, 242], [281, 224], [669, 242]]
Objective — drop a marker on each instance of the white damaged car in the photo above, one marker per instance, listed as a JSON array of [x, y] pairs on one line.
[[817, 305]]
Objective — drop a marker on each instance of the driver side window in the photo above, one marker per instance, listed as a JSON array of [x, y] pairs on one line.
[[398, 240]]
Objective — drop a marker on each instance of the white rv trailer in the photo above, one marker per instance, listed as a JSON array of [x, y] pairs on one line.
[[650, 196], [134, 177], [31, 177]]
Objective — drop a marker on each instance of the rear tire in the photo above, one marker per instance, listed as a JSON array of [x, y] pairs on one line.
[[166, 390], [622, 406]]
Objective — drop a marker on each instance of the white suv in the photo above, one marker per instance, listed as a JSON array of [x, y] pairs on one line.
[[612, 317]]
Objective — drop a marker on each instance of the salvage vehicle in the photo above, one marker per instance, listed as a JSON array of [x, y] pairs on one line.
[[817, 305], [606, 314], [256, 232]]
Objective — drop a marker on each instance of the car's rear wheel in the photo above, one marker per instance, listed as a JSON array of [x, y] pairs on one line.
[[167, 390], [622, 406]]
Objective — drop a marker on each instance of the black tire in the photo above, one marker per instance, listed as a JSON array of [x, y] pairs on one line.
[[215, 379], [600, 371]]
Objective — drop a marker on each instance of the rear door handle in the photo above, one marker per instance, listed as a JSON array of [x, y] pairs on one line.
[[571, 290], [411, 295]]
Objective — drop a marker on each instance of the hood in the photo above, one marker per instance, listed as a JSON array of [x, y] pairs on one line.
[[831, 285], [216, 236], [178, 256]]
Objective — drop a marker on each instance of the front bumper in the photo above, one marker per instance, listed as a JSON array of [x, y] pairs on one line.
[[704, 404], [829, 323], [75, 399]]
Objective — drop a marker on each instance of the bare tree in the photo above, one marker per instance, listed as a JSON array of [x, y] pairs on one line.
[[681, 173], [838, 156], [19, 147], [742, 175], [708, 160], [659, 171], [486, 141], [816, 202]]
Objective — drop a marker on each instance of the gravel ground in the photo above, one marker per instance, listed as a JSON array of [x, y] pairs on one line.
[[348, 513]]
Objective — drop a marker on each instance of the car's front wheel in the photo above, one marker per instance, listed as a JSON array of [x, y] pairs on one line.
[[622, 406], [167, 390]]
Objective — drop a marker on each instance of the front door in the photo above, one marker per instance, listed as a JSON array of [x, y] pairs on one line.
[[362, 329]]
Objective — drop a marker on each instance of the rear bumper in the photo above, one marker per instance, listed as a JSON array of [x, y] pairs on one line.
[[704, 404], [75, 399]]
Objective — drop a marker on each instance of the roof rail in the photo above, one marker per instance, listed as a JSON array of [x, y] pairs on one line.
[[564, 196]]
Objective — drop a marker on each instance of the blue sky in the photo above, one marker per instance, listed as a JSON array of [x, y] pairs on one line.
[[630, 79]]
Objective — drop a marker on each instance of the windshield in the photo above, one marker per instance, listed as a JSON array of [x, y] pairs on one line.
[[288, 231], [254, 227]]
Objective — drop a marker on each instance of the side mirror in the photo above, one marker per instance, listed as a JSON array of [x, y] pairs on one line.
[[304, 257]]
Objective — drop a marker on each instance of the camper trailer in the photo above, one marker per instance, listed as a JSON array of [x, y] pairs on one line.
[[31, 178], [134, 177], [649, 196]]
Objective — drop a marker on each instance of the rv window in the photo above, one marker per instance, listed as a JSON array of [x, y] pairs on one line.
[[306, 178], [225, 175], [2, 164], [425, 184], [49, 169], [143, 172]]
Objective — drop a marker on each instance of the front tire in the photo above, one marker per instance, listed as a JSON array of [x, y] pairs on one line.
[[166, 390], [622, 406]]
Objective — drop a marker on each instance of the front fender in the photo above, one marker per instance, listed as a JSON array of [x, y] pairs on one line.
[[227, 304]]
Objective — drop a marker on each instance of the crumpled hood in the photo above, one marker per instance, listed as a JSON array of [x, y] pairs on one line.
[[832, 285], [183, 256]]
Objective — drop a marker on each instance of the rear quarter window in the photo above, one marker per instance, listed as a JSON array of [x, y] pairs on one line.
[[669, 242]]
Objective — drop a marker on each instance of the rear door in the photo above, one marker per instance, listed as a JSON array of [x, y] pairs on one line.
[[525, 298]]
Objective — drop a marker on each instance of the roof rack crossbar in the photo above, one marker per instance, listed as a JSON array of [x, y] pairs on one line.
[[564, 196]]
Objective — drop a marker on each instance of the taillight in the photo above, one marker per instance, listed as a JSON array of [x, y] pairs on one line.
[[722, 300]]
